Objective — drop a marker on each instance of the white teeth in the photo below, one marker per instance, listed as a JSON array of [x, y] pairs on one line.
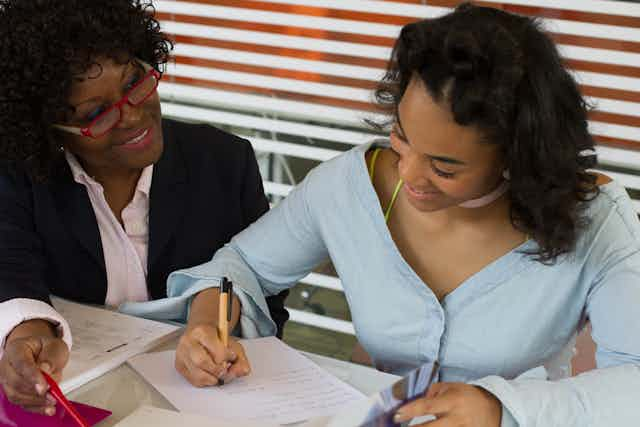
[[138, 138]]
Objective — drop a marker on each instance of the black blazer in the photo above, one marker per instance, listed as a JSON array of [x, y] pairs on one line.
[[206, 187]]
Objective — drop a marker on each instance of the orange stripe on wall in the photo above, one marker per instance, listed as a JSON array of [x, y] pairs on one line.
[[625, 144], [279, 72], [618, 119], [599, 67], [546, 12], [283, 51], [311, 11], [595, 42], [345, 103], [281, 29]]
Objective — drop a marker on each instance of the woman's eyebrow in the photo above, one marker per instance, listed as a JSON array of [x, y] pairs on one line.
[[443, 159], [98, 98]]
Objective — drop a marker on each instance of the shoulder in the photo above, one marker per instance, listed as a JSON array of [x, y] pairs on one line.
[[612, 225], [337, 173], [198, 139], [208, 152]]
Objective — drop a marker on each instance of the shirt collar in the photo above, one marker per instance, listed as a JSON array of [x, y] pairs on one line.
[[81, 177]]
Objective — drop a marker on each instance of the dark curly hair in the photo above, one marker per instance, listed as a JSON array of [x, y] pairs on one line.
[[44, 44], [503, 74]]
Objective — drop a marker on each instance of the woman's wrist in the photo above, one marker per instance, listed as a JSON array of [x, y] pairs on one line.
[[204, 309], [33, 327]]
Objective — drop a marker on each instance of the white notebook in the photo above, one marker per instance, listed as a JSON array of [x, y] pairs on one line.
[[104, 339], [283, 387]]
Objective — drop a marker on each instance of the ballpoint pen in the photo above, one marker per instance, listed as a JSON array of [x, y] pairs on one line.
[[68, 406], [224, 313]]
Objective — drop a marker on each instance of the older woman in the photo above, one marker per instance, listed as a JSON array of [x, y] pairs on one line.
[[100, 198]]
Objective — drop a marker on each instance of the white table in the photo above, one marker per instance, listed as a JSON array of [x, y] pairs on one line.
[[123, 390]]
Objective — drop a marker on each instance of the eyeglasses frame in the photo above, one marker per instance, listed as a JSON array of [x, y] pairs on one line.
[[86, 131]]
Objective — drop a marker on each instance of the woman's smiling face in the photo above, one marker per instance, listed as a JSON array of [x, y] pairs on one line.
[[442, 163], [136, 141]]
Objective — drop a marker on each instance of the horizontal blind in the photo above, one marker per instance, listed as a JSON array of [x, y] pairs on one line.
[[332, 53]]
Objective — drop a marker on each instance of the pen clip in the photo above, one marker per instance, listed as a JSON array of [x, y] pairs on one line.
[[227, 288], [59, 396], [230, 302]]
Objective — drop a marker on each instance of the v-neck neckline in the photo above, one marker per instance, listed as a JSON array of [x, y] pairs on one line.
[[491, 274]]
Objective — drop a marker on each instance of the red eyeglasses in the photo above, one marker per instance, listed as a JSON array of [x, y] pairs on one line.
[[108, 119]]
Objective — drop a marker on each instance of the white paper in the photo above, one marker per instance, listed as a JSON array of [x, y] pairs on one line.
[[283, 387], [104, 339], [148, 416]]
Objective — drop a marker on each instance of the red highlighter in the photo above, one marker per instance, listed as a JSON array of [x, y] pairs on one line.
[[68, 406]]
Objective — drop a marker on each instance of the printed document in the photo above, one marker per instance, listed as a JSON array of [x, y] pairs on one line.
[[283, 387], [104, 339]]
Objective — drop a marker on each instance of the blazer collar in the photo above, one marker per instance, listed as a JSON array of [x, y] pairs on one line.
[[168, 196], [74, 207]]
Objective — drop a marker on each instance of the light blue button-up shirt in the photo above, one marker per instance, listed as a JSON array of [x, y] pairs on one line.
[[513, 315]]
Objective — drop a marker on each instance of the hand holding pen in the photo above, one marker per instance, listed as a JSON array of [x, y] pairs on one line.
[[206, 355], [30, 348]]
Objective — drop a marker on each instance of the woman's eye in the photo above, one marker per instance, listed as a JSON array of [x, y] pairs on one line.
[[95, 113], [441, 173], [135, 79]]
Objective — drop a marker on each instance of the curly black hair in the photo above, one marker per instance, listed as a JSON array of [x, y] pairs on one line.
[[44, 44], [502, 73]]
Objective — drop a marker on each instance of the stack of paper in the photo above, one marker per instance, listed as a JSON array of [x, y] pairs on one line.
[[283, 387], [104, 339]]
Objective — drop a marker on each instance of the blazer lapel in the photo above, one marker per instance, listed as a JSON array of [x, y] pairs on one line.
[[167, 197], [76, 212]]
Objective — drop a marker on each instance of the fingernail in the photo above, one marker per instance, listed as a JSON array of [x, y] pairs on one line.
[[51, 399], [50, 411], [46, 367], [40, 389], [246, 371], [232, 354], [399, 417]]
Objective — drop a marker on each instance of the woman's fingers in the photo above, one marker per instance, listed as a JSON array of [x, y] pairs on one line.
[[241, 365], [23, 383], [202, 358]]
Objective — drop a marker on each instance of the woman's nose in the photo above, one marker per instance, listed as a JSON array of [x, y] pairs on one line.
[[130, 115]]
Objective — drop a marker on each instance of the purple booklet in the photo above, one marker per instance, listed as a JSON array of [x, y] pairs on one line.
[[13, 416], [378, 410]]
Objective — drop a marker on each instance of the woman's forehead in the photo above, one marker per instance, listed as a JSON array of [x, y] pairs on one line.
[[102, 75]]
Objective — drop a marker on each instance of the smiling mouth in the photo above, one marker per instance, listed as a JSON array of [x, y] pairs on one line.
[[419, 192]]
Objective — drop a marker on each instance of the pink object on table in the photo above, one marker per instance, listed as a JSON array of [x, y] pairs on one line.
[[14, 416]]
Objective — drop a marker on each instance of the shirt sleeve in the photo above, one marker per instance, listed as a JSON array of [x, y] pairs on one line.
[[18, 310], [265, 259], [607, 396]]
